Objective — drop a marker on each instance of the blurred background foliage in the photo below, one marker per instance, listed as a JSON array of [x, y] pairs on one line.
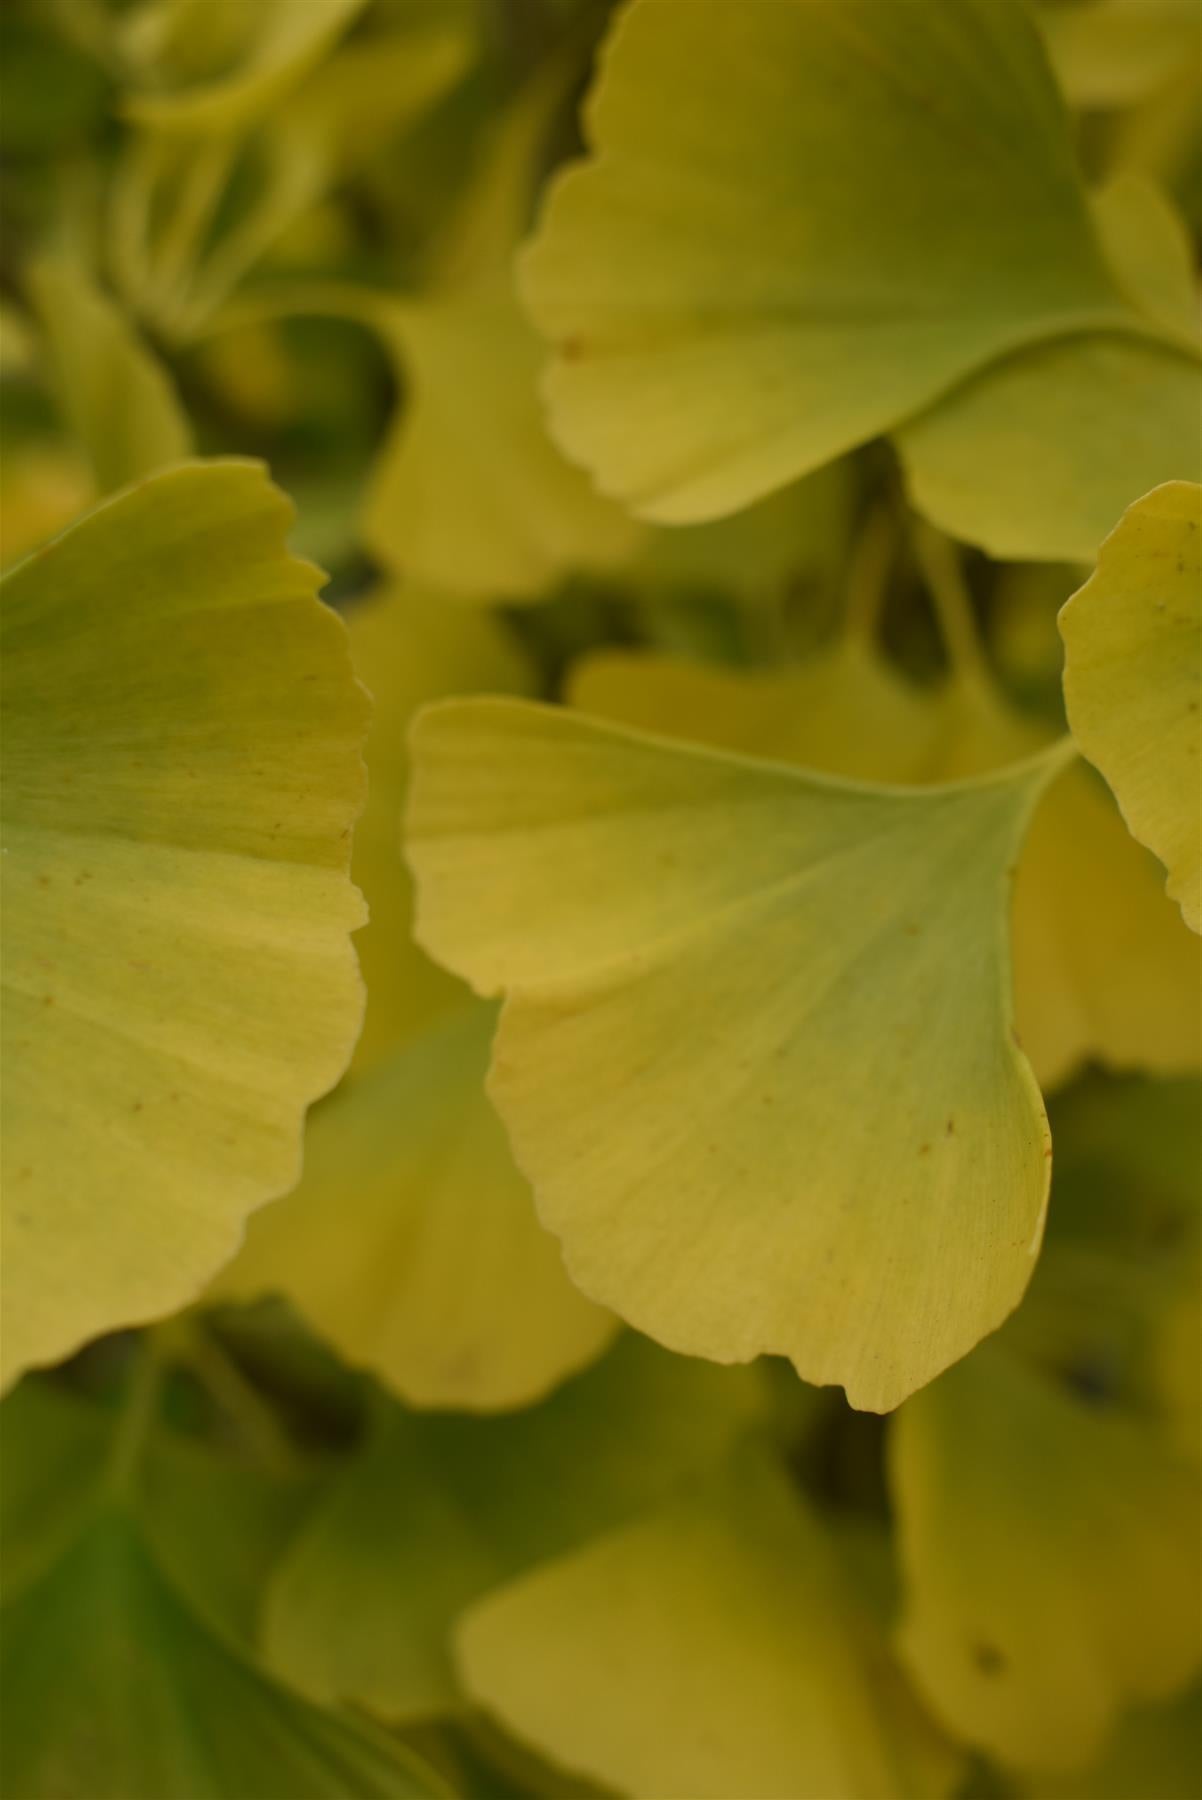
[[399, 1468]]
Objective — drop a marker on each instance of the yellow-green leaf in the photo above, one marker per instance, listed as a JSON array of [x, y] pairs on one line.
[[711, 1648], [470, 444], [270, 45], [1035, 457], [183, 769], [1049, 1549], [1133, 678], [117, 399], [737, 994], [118, 1686], [408, 648], [412, 1244], [1103, 966], [848, 207], [439, 1509]]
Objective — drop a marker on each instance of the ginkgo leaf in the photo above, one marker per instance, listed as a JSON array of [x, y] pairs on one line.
[[439, 1509], [118, 1688], [471, 444], [182, 773], [1113, 52], [710, 962], [277, 41], [843, 711], [1036, 456], [850, 208], [117, 399], [408, 649], [412, 1243], [1047, 1547], [1152, 1750], [1122, 1251], [709, 1648], [1103, 967], [1133, 678]]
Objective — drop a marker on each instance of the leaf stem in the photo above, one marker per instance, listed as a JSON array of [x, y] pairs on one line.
[[943, 574], [193, 1345], [137, 1417], [871, 565]]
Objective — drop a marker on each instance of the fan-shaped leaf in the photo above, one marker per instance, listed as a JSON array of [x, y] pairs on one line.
[[182, 772], [1133, 678], [711, 962]]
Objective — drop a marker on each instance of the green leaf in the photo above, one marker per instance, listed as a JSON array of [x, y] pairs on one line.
[[1035, 457], [1049, 1548], [273, 45], [711, 962], [709, 1648], [1114, 52], [1153, 1750], [1133, 678], [439, 1509], [182, 773], [847, 208], [118, 1687], [1103, 967], [117, 399], [412, 1243]]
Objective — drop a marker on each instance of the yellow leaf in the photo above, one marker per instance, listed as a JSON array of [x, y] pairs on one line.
[[408, 647], [438, 1509], [273, 44], [412, 1244], [1133, 678], [852, 206], [711, 1648], [1049, 1550], [182, 742], [470, 444], [116, 397], [1103, 967], [738, 994]]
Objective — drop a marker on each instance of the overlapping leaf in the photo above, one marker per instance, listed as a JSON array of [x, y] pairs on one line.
[[851, 209], [711, 962], [438, 1510], [1133, 678], [412, 1242], [182, 773], [1008, 1488], [1102, 967], [1047, 1515], [118, 1687], [709, 1648], [117, 399]]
